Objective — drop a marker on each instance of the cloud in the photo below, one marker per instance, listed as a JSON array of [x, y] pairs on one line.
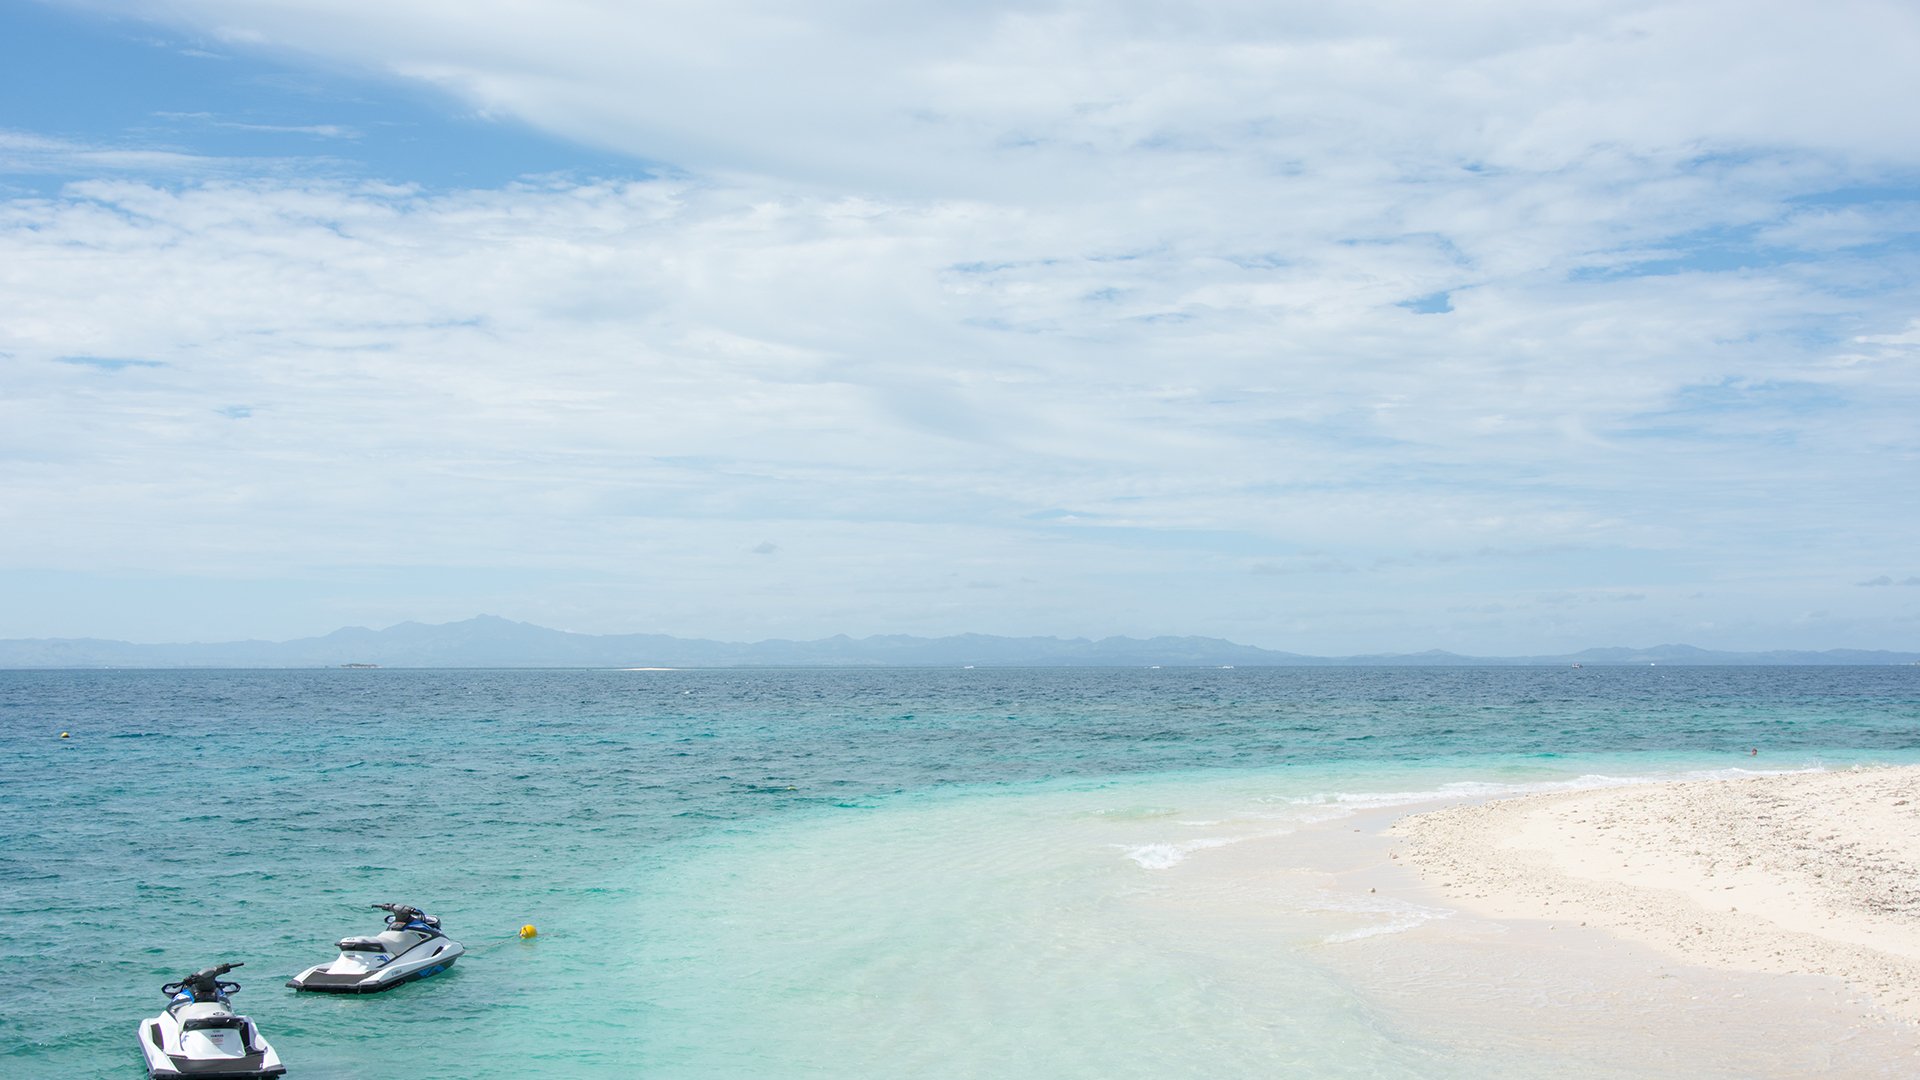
[[1884, 580], [26, 152], [969, 99], [1136, 305], [575, 374], [319, 131]]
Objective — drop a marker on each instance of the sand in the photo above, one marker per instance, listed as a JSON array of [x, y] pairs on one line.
[[1800, 874]]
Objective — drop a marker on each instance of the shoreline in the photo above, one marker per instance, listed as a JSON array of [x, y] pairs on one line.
[[1801, 874], [1798, 873], [1469, 945]]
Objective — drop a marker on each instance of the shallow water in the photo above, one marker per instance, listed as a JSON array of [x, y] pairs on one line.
[[798, 873]]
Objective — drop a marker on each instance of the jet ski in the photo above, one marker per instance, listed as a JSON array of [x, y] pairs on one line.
[[199, 1034], [411, 947]]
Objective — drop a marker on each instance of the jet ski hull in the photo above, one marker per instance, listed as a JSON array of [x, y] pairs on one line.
[[165, 1062], [319, 980]]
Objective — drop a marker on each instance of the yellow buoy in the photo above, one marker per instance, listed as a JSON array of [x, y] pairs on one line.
[[528, 931], [63, 734]]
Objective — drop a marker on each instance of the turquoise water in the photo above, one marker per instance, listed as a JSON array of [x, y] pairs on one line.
[[796, 873]]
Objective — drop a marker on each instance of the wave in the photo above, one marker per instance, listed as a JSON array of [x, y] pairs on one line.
[[1283, 814], [1134, 813], [1166, 856], [1397, 916], [1487, 789]]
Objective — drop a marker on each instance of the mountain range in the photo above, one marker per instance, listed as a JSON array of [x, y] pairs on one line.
[[488, 641]]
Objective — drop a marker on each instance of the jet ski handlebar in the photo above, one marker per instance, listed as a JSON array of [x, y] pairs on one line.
[[402, 914], [206, 982]]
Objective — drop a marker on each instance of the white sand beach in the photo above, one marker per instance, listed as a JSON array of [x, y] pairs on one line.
[[1813, 874], [1748, 927]]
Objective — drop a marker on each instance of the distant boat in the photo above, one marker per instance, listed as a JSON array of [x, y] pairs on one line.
[[1576, 665], [1226, 667]]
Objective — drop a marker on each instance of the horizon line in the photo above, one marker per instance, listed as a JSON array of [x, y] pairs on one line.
[[484, 618]]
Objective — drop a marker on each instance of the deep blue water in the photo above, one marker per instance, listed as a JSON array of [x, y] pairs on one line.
[[196, 816]]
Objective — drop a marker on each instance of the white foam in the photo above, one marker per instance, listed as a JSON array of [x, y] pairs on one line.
[[1396, 926], [1134, 813], [1480, 789], [1164, 856], [1396, 916]]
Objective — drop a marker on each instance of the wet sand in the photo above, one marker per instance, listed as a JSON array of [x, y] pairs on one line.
[[1756, 927]]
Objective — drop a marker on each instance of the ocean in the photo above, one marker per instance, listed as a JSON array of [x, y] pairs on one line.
[[813, 873]]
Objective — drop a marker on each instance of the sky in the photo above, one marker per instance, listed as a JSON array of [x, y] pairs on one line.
[[1499, 327]]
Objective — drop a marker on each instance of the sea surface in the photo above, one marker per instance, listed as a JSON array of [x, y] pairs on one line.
[[799, 873]]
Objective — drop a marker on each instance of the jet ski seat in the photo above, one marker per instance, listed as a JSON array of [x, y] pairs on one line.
[[195, 1023], [362, 944]]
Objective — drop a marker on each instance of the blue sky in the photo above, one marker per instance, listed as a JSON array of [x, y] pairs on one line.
[[1377, 327]]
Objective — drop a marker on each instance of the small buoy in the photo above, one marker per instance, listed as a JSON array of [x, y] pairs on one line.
[[63, 734], [528, 931]]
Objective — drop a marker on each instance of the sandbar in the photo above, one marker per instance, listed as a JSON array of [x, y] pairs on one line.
[[1793, 874]]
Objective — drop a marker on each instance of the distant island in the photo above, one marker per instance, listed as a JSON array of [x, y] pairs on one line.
[[487, 641]]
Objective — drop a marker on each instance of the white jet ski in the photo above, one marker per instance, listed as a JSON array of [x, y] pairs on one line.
[[199, 1034], [411, 947]]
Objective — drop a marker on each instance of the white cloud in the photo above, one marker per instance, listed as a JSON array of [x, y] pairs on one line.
[[998, 96], [319, 131], [26, 152], [923, 274]]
